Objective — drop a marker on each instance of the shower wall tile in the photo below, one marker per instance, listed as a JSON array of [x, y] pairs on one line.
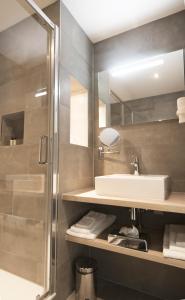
[[74, 62], [75, 162], [64, 119], [159, 146], [23, 182], [28, 205], [13, 90], [23, 267], [76, 36], [14, 160], [5, 202], [22, 237], [36, 125]]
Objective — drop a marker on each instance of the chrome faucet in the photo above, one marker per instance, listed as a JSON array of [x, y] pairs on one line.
[[135, 164]]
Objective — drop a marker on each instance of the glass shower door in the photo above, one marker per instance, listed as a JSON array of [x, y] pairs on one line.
[[27, 169]]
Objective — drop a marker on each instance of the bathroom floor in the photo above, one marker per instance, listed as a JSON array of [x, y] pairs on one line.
[[15, 288], [110, 291]]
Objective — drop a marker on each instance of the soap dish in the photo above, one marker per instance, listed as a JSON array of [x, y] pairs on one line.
[[128, 242]]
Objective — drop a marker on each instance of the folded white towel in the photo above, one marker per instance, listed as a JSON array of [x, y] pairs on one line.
[[180, 239], [167, 252], [181, 109], [85, 223], [177, 237], [109, 220], [89, 222]]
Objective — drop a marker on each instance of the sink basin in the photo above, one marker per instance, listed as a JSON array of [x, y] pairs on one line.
[[142, 187]]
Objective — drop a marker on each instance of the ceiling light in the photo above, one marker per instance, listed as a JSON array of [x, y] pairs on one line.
[[141, 65], [156, 75], [41, 92]]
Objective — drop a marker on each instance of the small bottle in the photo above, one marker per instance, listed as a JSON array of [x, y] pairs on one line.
[[13, 141]]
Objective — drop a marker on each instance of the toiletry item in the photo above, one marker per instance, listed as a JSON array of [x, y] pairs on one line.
[[94, 227], [177, 237], [128, 242], [13, 142], [129, 231]]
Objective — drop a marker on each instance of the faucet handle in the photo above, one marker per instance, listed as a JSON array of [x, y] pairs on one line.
[[135, 160]]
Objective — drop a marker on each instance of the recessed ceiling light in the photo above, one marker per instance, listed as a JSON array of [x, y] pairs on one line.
[[156, 75]]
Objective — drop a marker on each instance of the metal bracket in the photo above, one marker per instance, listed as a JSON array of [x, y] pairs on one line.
[[101, 152]]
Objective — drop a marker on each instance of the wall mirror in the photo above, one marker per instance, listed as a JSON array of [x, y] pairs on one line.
[[141, 91]]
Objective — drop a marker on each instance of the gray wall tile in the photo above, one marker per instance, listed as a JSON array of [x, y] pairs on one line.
[[159, 146]]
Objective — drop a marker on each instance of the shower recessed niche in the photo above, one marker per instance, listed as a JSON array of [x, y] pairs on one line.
[[12, 129]]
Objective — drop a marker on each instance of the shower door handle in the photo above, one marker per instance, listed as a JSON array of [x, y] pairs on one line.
[[43, 150]]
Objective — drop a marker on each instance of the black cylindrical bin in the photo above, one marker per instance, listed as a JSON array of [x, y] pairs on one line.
[[85, 279]]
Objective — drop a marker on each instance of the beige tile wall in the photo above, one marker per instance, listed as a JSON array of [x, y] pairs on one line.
[[159, 147], [75, 162]]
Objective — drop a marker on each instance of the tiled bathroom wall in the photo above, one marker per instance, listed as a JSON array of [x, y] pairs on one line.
[[75, 162], [159, 146], [22, 202], [23, 182]]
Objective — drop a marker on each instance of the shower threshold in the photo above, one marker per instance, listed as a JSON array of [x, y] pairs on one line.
[[13, 287]]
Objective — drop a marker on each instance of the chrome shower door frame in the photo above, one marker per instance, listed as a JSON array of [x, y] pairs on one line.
[[53, 94]]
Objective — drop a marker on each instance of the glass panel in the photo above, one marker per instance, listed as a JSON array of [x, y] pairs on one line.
[[24, 77]]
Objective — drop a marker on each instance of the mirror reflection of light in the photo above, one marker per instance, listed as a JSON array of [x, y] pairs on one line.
[[156, 75], [140, 65], [41, 92]]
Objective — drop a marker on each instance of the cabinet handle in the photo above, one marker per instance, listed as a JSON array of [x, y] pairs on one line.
[[43, 150]]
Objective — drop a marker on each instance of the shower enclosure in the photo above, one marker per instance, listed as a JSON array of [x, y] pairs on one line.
[[28, 151]]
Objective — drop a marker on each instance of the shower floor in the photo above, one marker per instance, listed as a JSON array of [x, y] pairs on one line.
[[13, 287]]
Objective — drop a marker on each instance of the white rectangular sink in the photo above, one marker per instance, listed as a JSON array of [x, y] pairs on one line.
[[142, 187]]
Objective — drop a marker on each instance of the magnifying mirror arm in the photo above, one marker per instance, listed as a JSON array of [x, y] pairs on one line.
[[102, 151]]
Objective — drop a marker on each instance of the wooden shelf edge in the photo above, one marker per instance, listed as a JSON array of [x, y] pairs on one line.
[[151, 255], [175, 203]]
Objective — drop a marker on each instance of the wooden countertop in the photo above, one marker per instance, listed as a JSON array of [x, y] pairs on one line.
[[175, 203], [154, 254]]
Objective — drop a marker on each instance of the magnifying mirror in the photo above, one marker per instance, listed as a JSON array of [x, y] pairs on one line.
[[109, 137]]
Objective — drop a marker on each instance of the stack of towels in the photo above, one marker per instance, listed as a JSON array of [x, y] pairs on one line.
[[174, 241], [91, 225], [181, 109]]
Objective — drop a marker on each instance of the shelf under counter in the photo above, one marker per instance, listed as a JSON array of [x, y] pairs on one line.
[[154, 254], [175, 203]]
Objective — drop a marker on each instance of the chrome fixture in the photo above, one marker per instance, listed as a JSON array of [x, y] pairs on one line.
[[133, 215], [52, 156], [43, 150], [135, 164], [41, 92], [102, 150], [109, 139]]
